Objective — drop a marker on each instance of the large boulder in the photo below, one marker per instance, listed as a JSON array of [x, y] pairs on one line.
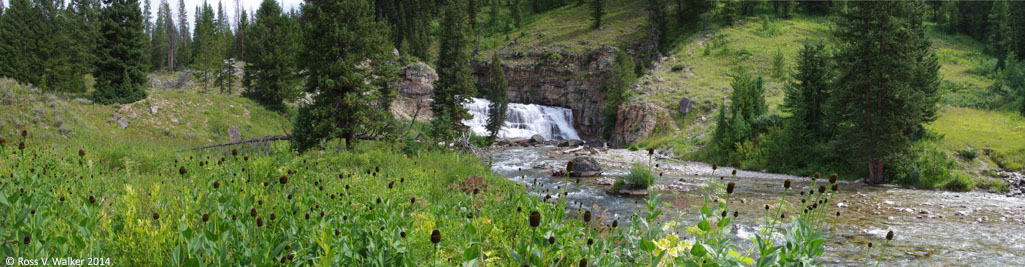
[[571, 143], [636, 121], [537, 139], [685, 105], [585, 167]]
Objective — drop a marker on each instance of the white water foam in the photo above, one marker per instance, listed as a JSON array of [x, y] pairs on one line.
[[524, 121]]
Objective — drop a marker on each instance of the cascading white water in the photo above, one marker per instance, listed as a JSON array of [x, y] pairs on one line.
[[524, 121]]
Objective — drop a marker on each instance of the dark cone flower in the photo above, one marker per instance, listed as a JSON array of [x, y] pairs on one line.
[[832, 178], [889, 235], [734, 172], [786, 184], [551, 240], [729, 187], [869, 244], [615, 223], [822, 189], [3, 141], [535, 218], [435, 236], [835, 187], [156, 216], [234, 152], [412, 200], [21, 145], [583, 262], [590, 241], [181, 170], [206, 217], [62, 198], [587, 216], [402, 234], [816, 175], [651, 151], [714, 167], [24, 133], [735, 214], [81, 153], [252, 212], [724, 214], [766, 206], [92, 200], [217, 184], [27, 240], [283, 179], [259, 222]]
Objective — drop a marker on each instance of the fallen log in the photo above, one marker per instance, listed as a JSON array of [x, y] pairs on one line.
[[573, 150]]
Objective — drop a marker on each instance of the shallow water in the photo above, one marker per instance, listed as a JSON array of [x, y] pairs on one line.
[[933, 228]]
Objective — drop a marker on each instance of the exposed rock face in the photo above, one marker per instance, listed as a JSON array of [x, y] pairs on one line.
[[561, 79], [416, 81], [585, 167], [415, 87], [635, 121]]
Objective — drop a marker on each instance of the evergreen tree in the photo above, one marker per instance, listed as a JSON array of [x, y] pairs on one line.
[[498, 97], [948, 16], [46, 45], [120, 73], [729, 12], [1000, 31], [597, 11], [453, 87], [240, 34], [514, 11], [184, 53], [886, 84], [807, 127], [615, 87], [271, 50], [207, 48], [1018, 28], [349, 96], [658, 27]]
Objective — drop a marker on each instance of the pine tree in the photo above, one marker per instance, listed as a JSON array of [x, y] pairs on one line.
[[1018, 28], [658, 27], [948, 16], [597, 11], [120, 74], [207, 48], [340, 37], [184, 53], [271, 74], [886, 84], [807, 126], [240, 34], [514, 11], [615, 87], [158, 39], [1000, 31], [46, 45], [498, 97], [453, 87], [729, 12]]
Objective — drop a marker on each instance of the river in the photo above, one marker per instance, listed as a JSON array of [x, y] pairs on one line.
[[933, 228]]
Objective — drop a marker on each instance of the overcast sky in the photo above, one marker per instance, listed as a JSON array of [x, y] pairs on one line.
[[229, 6]]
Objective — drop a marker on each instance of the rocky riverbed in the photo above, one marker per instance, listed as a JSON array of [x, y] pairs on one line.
[[934, 228]]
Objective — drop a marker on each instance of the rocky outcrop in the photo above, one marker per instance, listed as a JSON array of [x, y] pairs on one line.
[[561, 79], [415, 87], [585, 167], [636, 121]]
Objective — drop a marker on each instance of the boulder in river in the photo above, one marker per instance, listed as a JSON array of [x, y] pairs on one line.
[[585, 167], [571, 143], [537, 139]]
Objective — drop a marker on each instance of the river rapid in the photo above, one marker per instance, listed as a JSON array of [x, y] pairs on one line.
[[933, 228]]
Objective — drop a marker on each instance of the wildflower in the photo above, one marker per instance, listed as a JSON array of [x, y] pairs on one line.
[[206, 217], [33, 212], [435, 236], [283, 179], [307, 216], [518, 209], [889, 235], [21, 145], [615, 223], [729, 187], [735, 214], [822, 189], [252, 212], [587, 216], [651, 151], [786, 184], [81, 153], [412, 200], [3, 141], [181, 170], [551, 240], [766, 206], [234, 218], [291, 256], [62, 198], [869, 244], [24, 133], [832, 178], [535, 218], [590, 241], [835, 187], [272, 216], [28, 240], [724, 213], [816, 176], [234, 152], [345, 217], [156, 216], [259, 222], [402, 234], [92, 200], [288, 247], [378, 200], [392, 184], [734, 172], [838, 214], [583, 262], [714, 166], [337, 232]]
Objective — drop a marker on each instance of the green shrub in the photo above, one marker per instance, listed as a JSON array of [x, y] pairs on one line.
[[640, 176], [678, 67], [958, 182], [968, 154], [633, 147], [480, 141]]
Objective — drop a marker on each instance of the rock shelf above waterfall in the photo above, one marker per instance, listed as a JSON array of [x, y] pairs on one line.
[[524, 121]]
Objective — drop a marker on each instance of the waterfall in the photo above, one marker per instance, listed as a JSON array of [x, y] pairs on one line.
[[524, 121]]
